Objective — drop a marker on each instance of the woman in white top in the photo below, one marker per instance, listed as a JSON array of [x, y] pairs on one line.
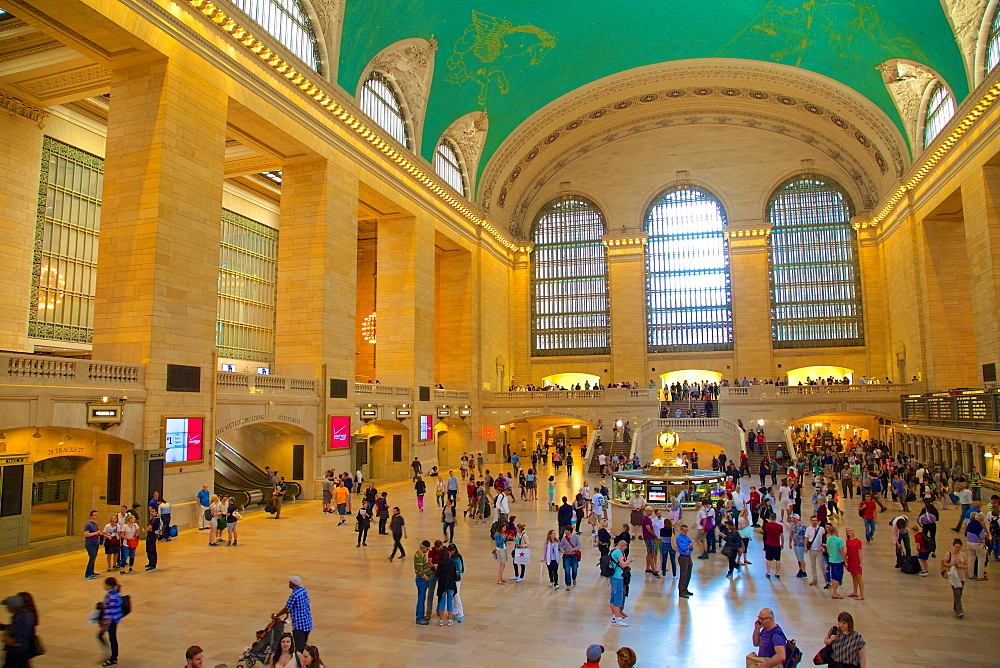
[[550, 557], [784, 501], [112, 546], [215, 508], [129, 537]]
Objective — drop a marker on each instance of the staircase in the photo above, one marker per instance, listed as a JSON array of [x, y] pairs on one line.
[[611, 449], [668, 409], [769, 448]]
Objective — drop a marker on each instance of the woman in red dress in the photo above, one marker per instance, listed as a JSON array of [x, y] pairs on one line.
[[854, 564]]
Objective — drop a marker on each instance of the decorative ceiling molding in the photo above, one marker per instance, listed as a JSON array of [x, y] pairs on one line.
[[966, 19], [907, 83], [858, 112], [409, 63], [18, 107], [81, 82], [865, 183], [468, 132], [254, 165]]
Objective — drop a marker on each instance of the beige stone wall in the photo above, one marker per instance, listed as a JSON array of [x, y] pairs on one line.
[[20, 158]]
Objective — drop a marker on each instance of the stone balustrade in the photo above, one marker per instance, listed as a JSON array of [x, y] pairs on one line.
[[63, 371], [375, 391], [250, 383]]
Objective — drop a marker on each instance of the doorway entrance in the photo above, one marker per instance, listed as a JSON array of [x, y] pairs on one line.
[[52, 497]]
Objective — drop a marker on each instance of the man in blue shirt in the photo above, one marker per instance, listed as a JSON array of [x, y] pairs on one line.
[[91, 540], [769, 639], [154, 502], [204, 497], [684, 547], [298, 608], [452, 487], [617, 579], [877, 491]]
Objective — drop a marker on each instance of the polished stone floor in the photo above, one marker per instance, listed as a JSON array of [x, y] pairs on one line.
[[363, 605]]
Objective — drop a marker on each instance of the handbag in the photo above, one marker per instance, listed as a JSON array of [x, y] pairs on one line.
[[133, 543], [727, 551], [823, 656]]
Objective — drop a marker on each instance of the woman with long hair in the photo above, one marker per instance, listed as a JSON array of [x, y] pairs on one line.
[[447, 585], [129, 537], [520, 541], [420, 487], [310, 657], [214, 508], [854, 546], [284, 655], [458, 613], [111, 615], [667, 550], [550, 557], [953, 568]]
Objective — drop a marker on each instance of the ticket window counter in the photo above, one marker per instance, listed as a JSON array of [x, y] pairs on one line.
[[659, 486]]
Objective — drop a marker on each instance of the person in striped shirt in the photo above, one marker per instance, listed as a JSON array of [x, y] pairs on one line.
[[111, 615]]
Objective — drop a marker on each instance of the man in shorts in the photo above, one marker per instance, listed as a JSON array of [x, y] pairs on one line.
[[328, 483], [774, 541], [343, 498], [617, 580], [649, 537]]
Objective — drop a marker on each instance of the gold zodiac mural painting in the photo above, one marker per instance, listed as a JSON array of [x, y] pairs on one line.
[[488, 45]]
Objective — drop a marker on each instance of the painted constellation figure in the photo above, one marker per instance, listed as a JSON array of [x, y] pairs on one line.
[[488, 44]]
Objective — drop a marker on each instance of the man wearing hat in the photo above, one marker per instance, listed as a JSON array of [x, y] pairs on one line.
[[422, 571], [594, 653], [298, 608], [19, 635]]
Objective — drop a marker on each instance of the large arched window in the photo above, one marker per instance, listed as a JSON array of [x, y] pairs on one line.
[[689, 301], [993, 43], [448, 166], [569, 286], [287, 22], [381, 103], [813, 257], [940, 109]]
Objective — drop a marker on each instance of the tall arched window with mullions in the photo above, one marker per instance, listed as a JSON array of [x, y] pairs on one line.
[[813, 262], [286, 21], [382, 104], [569, 282], [993, 43], [940, 110], [689, 300]]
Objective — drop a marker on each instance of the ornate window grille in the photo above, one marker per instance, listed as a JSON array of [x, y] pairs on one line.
[[813, 266], [380, 101], [940, 109], [688, 289], [66, 239], [248, 276], [569, 287], [448, 166], [287, 22], [993, 44]]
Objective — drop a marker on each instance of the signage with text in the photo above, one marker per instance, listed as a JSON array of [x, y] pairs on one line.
[[184, 439], [426, 427]]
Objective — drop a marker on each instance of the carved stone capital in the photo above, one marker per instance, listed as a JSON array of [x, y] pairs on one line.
[[18, 107]]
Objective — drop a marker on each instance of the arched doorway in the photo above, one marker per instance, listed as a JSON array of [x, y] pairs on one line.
[[808, 374], [832, 430], [283, 448], [452, 438], [388, 449]]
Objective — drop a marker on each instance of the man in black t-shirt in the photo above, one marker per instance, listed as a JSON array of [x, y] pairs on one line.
[[153, 531], [398, 527]]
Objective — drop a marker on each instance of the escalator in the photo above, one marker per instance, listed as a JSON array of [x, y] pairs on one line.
[[237, 476]]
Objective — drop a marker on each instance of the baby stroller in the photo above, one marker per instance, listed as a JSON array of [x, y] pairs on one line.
[[264, 644]]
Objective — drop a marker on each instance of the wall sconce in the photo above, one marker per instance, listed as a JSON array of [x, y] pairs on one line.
[[37, 433]]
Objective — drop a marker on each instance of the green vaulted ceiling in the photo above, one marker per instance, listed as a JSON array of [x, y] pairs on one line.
[[513, 57]]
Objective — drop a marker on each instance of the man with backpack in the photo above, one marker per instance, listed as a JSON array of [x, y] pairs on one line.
[[769, 640], [613, 567]]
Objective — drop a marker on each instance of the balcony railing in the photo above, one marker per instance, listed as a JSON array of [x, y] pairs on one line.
[[251, 383], [457, 395], [376, 391], [610, 395], [770, 391], [38, 370]]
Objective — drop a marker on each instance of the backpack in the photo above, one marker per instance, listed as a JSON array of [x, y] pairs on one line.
[[792, 654], [607, 567], [208, 514], [930, 543], [126, 605]]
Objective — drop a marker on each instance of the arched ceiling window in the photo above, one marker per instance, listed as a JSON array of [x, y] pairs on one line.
[[381, 103], [993, 43], [813, 266], [940, 109], [287, 22], [448, 166], [569, 283], [688, 295]]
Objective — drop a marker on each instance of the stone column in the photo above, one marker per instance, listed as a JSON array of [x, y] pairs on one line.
[[520, 321], [454, 324], [981, 209], [20, 160], [627, 294], [157, 297], [748, 270], [317, 272], [405, 297]]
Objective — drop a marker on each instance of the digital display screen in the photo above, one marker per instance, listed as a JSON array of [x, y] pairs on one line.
[[263, 371], [184, 439], [112, 412], [229, 367], [426, 427], [656, 494], [340, 431]]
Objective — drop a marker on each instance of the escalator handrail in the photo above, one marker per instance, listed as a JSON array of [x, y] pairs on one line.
[[242, 464], [244, 479]]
